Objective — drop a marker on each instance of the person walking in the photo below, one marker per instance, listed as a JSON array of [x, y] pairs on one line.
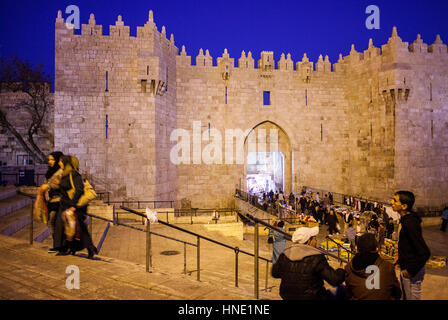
[[279, 243], [444, 219], [350, 233], [51, 186], [70, 230], [303, 268], [302, 203], [412, 249], [330, 196], [384, 287], [85, 239], [69, 197], [389, 228], [332, 221]]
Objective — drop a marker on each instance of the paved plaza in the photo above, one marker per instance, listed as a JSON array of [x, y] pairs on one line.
[[118, 272]]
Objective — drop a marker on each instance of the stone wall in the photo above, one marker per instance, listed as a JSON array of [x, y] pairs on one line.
[[362, 126], [118, 81], [422, 122]]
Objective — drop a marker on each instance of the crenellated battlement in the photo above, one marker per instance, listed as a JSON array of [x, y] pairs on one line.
[[394, 50], [118, 32]]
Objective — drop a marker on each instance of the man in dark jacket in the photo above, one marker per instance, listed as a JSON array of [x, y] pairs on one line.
[[412, 249], [303, 268], [357, 282]]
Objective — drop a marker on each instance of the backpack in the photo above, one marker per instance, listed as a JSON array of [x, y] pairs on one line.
[[88, 195]]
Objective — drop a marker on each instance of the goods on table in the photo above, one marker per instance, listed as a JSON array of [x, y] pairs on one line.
[[389, 248], [436, 262], [334, 248]]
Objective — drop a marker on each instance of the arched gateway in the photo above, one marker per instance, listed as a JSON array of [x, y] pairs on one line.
[[267, 159]]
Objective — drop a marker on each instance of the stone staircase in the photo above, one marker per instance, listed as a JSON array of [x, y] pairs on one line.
[[30, 273], [15, 217], [127, 246], [14, 211], [217, 263]]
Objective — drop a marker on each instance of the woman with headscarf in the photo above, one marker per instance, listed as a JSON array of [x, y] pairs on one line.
[[71, 231], [51, 188], [85, 239]]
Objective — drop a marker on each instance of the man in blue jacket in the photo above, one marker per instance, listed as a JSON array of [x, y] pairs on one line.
[[412, 249]]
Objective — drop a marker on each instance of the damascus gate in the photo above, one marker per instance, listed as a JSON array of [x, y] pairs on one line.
[[151, 121]]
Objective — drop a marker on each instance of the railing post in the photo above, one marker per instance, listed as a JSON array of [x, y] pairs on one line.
[[267, 271], [198, 255], [339, 253], [167, 217], [91, 226], [185, 258], [31, 222], [148, 246], [237, 250], [113, 215], [256, 261]]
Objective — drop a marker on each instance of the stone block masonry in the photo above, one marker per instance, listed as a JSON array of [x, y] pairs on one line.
[[371, 123]]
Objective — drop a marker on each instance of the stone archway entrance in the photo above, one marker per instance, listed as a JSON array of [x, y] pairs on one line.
[[267, 160]]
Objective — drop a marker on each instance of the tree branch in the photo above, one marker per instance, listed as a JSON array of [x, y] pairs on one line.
[[19, 138]]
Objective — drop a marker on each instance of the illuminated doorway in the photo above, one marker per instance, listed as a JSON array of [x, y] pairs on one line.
[[265, 172]]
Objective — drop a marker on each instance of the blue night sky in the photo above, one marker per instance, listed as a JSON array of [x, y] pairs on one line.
[[282, 26]]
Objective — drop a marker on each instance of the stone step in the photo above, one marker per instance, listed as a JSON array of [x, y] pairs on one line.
[[15, 221], [217, 263], [245, 283], [7, 192], [40, 232], [29, 273], [11, 204]]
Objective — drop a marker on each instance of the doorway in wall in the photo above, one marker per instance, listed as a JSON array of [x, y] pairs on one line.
[[265, 172]]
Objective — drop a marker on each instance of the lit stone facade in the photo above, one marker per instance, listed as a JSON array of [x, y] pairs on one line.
[[369, 124]]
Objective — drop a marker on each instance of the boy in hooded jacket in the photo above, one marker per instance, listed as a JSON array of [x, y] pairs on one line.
[[356, 281]]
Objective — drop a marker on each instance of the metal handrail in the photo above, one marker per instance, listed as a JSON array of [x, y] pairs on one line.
[[138, 202], [288, 220], [235, 249], [349, 252], [36, 177], [346, 195], [289, 237], [193, 233], [140, 229], [32, 197]]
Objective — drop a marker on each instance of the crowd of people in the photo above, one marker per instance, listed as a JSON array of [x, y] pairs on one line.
[[62, 198], [303, 268], [324, 211]]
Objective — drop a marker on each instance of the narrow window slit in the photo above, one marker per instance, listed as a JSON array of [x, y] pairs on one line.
[[143, 84], [226, 95]]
